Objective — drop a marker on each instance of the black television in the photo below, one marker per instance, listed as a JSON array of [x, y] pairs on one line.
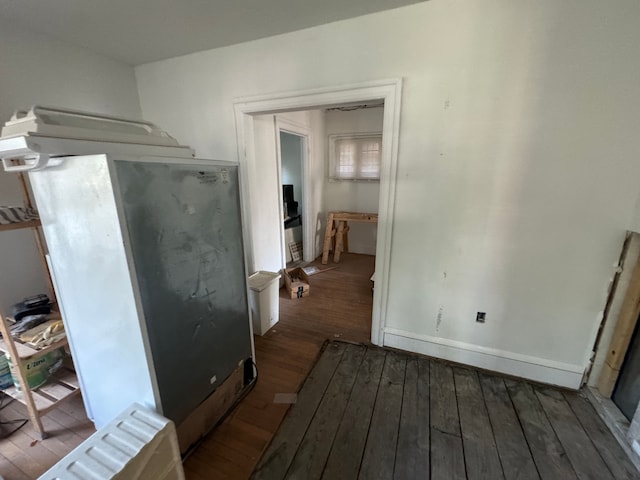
[[290, 205]]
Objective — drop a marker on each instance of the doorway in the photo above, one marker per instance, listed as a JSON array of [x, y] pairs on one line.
[[247, 109], [292, 159]]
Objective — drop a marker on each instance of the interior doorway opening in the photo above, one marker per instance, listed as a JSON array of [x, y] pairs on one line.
[[343, 173], [293, 155], [328, 181], [261, 201]]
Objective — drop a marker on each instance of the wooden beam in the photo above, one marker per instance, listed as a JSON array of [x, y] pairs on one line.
[[339, 242], [625, 326], [208, 413], [345, 238], [40, 242], [356, 217], [20, 372], [328, 235], [19, 225]]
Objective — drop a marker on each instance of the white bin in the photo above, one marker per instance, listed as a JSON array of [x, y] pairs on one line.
[[264, 300]]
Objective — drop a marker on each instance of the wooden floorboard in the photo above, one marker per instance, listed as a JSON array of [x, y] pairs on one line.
[[434, 420], [480, 451], [386, 414], [447, 454], [10, 471], [583, 455], [60, 440], [412, 451], [378, 460], [313, 451], [24, 455], [348, 446], [339, 307], [548, 453], [279, 455], [604, 441], [515, 456]]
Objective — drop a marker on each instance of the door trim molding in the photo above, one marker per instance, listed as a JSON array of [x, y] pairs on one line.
[[287, 126], [387, 90]]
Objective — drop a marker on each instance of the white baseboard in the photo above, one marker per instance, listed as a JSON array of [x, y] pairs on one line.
[[510, 363]]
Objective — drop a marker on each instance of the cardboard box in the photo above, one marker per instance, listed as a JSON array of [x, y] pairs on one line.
[[38, 371], [296, 281]]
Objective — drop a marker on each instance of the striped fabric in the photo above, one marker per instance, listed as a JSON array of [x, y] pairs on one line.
[[16, 215]]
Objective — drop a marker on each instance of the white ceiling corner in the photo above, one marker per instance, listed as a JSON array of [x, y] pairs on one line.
[[143, 31]]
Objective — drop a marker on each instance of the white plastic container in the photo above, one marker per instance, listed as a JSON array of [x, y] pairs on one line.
[[264, 301], [137, 444]]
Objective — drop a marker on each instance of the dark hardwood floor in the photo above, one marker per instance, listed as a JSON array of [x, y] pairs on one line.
[[373, 413], [23, 456], [338, 307]]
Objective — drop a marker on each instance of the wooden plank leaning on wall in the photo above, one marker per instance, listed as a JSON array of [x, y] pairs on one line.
[[625, 323]]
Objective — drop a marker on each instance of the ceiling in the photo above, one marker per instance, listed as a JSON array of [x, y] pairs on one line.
[[142, 31]]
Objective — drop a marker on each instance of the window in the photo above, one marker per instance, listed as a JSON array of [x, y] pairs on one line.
[[355, 157]]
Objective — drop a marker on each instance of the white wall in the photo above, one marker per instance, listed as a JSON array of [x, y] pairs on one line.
[[518, 159], [263, 185], [354, 196], [39, 70]]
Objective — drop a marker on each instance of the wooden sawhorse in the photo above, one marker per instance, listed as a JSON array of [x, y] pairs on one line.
[[336, 235]]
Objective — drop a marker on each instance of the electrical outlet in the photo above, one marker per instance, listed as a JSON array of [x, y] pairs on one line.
[[480, 317]]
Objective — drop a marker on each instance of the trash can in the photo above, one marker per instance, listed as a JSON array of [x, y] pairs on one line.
[[263, 300]]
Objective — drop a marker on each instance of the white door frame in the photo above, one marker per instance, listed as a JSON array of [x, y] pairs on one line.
[[308, 242], [390, 91]]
